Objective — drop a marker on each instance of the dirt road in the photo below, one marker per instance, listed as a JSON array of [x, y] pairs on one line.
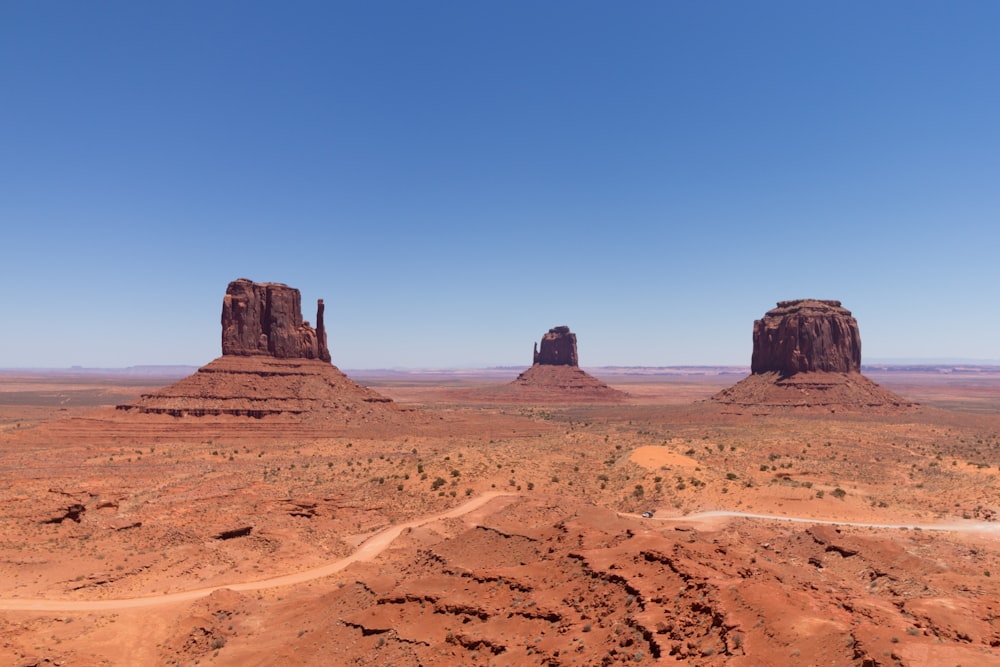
[[376, 544], [370, 548], [960, 527]]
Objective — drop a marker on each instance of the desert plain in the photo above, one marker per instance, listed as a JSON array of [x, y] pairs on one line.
[[458, 530]]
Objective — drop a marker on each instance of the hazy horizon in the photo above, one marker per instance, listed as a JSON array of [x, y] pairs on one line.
[[454, 179], [149, 369]]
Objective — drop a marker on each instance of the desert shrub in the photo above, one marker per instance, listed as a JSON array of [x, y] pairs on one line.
[[437, 483], [838, 493]]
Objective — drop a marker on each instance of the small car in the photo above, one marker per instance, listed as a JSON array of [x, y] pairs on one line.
[[647, 515]]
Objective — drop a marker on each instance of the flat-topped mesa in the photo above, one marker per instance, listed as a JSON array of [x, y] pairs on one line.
[[806, 335], [558, 348], [266, 319]]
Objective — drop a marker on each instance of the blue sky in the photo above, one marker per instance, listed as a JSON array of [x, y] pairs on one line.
[[455, 178]]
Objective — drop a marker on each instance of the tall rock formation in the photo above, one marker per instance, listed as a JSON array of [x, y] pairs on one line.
[[806, 335], [558, 348], [266, 318], [555, 376], [807, 354], [273, 364]]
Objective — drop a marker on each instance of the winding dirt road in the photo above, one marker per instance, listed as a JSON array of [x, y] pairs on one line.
[[960, 527], [370, 548], [378, 543]]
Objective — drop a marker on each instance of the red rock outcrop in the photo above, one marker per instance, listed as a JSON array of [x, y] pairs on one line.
[[558, 348], [554, 377], [266, 318], [273, 364], [807, 354], [806, 335]]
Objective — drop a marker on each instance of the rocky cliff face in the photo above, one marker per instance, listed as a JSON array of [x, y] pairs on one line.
[[558, 348], [266, 319], [806, 335]]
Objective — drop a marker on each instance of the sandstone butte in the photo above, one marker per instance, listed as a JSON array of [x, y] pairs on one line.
[[807, 354], [555, 373], [273, 364]]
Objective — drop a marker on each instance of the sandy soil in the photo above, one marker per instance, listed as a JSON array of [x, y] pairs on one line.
[[471, 533]]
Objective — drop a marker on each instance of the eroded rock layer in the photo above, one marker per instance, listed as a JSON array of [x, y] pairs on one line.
[[541, 382], [824, 391], [260, 387]]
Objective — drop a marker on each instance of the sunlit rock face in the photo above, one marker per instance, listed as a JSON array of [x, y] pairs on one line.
[[558, 348], [806, 335], [266, 319]]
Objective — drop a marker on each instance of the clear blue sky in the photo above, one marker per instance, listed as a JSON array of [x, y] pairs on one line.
[[454, 178]]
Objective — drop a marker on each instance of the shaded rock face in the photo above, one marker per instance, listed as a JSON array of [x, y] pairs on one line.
[[266, 319], [558, 348], [806, 335]]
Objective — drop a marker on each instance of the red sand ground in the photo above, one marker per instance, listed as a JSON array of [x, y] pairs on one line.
[[555, 567]]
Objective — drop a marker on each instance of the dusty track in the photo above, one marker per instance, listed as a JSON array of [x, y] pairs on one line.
[[963, 527], [379, 542], [370, 548]]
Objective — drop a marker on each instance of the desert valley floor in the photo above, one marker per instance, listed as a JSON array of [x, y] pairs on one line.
[[460, 531]]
